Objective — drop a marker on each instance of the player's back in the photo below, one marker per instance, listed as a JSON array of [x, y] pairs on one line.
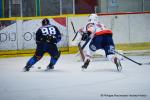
[[48, 33], [48, 29]]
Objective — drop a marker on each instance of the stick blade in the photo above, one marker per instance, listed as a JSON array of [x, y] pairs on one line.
[[146, 63]]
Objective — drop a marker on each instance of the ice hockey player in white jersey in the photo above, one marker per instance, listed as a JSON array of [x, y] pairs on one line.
[[100, 38]]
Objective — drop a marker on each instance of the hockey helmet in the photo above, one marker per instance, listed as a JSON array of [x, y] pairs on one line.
[[93, 18], [45, 21]]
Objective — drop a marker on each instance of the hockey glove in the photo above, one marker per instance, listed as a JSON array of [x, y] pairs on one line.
[[85, 36], [51, 39]]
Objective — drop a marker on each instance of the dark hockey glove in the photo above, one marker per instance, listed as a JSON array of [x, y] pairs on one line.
[[51, 39], [85, 36], [54, 40], [41, 39]]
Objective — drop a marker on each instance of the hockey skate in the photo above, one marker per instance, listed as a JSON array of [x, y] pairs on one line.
[[118, 64], [49, 67], [26, 68], [86, 64]]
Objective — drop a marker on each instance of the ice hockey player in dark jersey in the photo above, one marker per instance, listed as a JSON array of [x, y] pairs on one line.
[[47, 36]]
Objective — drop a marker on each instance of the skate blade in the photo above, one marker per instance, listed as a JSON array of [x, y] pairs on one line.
[[83, 69], [48, 70], [119, 68]]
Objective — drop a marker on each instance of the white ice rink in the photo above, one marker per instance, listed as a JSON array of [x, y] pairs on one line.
[[100, 81]]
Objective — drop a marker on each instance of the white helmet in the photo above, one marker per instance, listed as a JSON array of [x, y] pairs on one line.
[[93, 18]]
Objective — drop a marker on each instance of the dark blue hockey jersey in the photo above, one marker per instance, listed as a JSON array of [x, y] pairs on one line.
[[48, 33]]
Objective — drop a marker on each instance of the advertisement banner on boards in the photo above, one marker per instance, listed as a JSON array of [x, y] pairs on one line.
[[20, 34]]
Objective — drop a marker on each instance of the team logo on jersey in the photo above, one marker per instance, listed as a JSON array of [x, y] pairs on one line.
[[92, 47], [111, 49]]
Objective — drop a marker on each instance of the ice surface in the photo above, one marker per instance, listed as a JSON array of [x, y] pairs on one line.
[[100, 81]]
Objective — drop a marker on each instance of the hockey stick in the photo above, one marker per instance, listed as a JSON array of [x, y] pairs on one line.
[[79, 44], [73, 27], [75, 36], [86, 42], [82, 47], [132, 59], [81, 51], [76, 33]]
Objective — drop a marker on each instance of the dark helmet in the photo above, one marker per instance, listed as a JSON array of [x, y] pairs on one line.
[[45, 21]]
